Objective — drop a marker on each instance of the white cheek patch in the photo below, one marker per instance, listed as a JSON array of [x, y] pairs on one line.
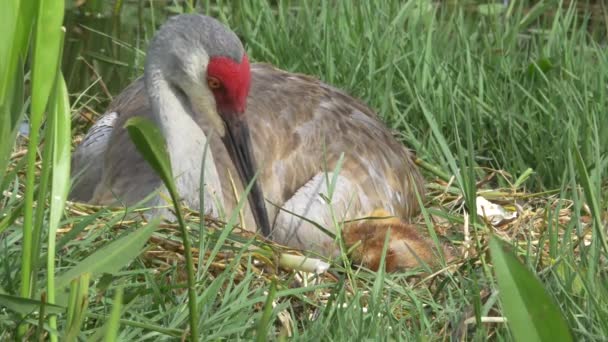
[[201, 98], [205, 110]]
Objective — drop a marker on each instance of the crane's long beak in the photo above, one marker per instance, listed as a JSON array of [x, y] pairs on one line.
[[238, 143]]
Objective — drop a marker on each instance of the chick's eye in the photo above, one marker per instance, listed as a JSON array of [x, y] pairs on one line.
[[214, 83]]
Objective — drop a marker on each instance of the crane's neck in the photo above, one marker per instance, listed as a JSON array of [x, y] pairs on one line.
[[186, 143]]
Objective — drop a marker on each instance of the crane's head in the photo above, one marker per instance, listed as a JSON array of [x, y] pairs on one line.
[[203, 63]]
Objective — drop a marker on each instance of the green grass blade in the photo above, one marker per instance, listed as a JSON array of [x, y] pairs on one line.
[[61, 142], [441, 140], [111, 257], [592, 198], [151, 144], [79, 306], [264, 323], [113, 324], [26, 306], [46, 56], [230, 225], [532, 315], [41, 316]]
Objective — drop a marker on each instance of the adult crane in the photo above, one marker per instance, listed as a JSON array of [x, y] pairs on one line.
[[199, 87]]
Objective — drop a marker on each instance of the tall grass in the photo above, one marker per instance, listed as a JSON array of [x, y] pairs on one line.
[[472, 88], [37, 27]]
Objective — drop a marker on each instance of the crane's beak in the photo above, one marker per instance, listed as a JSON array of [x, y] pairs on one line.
[[238, 143]]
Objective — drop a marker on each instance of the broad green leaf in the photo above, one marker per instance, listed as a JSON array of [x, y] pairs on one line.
[[60, 184], [11, 113], [8, 25], [531, 313], [26, 306], [16, 24], [46, 56], [47, 51], [61, 154], [151, 144], [112, 257], [46, 177]]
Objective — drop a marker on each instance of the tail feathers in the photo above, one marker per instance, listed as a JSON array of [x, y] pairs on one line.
[[407, 247]]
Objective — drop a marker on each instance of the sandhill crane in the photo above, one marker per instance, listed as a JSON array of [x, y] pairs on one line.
[[199, 87]]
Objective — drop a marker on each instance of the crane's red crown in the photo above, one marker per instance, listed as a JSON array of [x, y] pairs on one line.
[[234, 82]]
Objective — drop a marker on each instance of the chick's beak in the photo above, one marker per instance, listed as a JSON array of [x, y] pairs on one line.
[[238, 143]]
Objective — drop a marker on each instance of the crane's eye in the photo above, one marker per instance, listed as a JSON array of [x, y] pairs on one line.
[[214, 83]]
